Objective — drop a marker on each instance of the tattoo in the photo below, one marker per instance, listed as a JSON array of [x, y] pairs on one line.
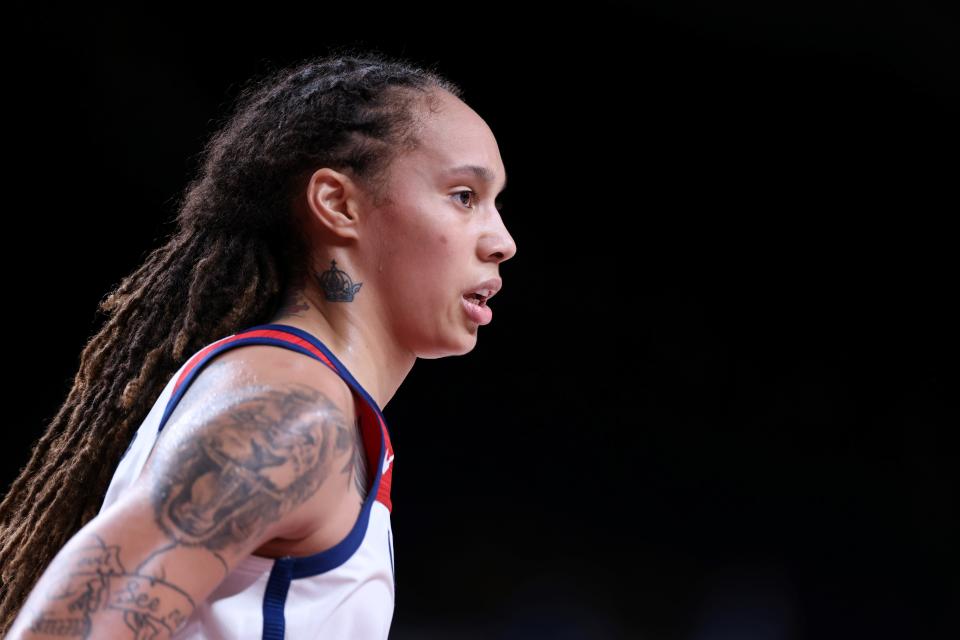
[[294, 304], [98, 582], [267, 456], [337, 285], [211, 491], [358, 463]]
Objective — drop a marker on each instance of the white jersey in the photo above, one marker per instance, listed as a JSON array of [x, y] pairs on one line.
[[346, 591]]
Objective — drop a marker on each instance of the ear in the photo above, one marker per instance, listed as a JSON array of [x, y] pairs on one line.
[[333, 199]]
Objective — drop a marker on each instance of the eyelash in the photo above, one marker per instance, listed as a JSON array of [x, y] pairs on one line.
[[497, 203]]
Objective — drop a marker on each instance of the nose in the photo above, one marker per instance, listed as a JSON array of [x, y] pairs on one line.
[[497, 245]]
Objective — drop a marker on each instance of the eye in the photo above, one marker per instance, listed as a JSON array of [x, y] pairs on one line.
[[498, 203], [460, 193]]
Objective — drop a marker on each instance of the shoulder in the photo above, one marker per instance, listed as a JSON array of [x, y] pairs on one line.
[[262, 427], [257, 455], [252, 366]]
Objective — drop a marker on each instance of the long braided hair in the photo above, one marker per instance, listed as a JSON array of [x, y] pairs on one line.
[[237, 249]]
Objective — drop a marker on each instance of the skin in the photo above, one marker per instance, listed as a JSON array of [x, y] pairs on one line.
[[409, 258], [224, 482], [209, 495]]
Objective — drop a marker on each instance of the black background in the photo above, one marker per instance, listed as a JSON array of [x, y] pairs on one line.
[[713, 402]]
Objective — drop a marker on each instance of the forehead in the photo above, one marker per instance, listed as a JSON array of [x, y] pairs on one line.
[[455, 141]]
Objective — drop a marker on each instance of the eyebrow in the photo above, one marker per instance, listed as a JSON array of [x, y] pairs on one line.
[[477, 171]]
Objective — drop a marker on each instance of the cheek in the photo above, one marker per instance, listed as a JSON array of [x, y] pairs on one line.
[[432, 267], [423, 262]]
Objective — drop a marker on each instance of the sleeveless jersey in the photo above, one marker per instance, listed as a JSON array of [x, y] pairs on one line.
[[346, 591]]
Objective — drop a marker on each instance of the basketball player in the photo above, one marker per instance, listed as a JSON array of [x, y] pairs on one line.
[[345, 223]]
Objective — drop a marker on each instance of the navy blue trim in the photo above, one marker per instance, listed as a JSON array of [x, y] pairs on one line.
[[274, 597], [289, 568], [333, 557], [129, 446], [182, 389], [309, 337], [393, 569], [239, 342]]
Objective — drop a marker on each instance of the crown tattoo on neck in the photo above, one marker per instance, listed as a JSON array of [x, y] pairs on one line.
[[337, 285]]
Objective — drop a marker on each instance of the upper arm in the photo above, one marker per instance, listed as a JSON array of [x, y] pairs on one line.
[[230, 480]]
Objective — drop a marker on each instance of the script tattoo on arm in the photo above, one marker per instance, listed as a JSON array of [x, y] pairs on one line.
[[210, 493], [97, 582]]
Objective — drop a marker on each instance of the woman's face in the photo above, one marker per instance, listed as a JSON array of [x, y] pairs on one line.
[[440, 234]]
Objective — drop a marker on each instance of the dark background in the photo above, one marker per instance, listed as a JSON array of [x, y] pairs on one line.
[[714, 400]]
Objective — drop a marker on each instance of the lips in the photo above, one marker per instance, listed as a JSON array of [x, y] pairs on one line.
[[474, 300], [484, 290], [481, 314]]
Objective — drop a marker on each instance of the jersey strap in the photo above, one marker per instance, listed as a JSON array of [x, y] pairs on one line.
[[373, 426]]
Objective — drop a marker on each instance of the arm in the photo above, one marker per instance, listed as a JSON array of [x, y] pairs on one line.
[[234, 478]]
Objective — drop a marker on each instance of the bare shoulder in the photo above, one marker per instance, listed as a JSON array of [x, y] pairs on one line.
[[262, 432], [256, 363], [247, 367], [258, 451]]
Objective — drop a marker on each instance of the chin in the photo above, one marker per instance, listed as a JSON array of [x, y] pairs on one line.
[[451, 349]]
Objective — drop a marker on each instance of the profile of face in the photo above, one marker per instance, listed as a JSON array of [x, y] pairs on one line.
[[440, 235]]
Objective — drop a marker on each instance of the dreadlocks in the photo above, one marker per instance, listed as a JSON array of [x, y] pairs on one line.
[[237, 249]]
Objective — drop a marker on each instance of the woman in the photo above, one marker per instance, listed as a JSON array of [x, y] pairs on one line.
[[346, 212]]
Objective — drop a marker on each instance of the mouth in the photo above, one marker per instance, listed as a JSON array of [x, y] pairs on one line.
[[475, 306], [483, 291], [476, 298]]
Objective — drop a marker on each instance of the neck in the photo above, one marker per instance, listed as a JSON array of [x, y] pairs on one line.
[[352, 330]]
